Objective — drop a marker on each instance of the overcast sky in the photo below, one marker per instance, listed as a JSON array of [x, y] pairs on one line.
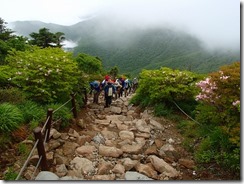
[[215, 21]]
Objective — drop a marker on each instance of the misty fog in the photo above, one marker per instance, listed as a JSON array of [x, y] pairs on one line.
[[212, 21], [215, 22]]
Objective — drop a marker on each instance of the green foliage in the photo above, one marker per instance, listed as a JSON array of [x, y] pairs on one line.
[[46, 75], [150, 49], [113, 72], [162, 110], [79, 98], [232, 160], [163, 86], [33, 124], [9, 41], [220, 101], [12, 95], [5, 33], [4, 141], [4, 48], [10, 117], [140, 100], [32, 111], [217, 147], [188, 106], [19, 43], [23, 149], [207, 114], [190, 132], [89, 64], [63, 114], [47, 39], [5, 75], [10, 174]]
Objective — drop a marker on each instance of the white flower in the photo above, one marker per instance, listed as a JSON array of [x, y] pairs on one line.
[[49, 71], [236, 103], [224, 77]]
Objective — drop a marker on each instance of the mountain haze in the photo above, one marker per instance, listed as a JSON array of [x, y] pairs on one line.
[[134, 47]]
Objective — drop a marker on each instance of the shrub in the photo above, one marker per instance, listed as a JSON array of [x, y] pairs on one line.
[[189, 130], [217, 147], [219, 108], [5, 75], [46, 75], [165, 85], [79, 98], [89, 64], [23, 149], [10, 174], [32, 111], [12, 95], [162, 110], [34, 124], [10, 117], [5, 141], [221, 90], [63, 114]]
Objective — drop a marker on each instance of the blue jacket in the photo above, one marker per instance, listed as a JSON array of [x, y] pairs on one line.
[[109, 85], [95, 85]]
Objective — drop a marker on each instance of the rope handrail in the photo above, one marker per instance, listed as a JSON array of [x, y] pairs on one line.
[[45, 124], [37, 165], [185, 113], [27, 160], [62, 105], [45, 138], [53, 123]]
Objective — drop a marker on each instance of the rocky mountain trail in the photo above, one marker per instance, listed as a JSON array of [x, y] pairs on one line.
[[116, 143]]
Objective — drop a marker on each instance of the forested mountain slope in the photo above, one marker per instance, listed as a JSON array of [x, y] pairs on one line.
[[133, 48]]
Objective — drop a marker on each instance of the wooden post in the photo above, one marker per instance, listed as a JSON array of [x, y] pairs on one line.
[[40, 148], [49, 123], [73, 105]]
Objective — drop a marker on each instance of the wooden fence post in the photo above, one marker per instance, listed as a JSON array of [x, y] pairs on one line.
[[49, 123], [73, 105], [40, 148]]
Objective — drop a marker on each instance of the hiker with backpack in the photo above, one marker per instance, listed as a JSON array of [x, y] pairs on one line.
[[127, 87], [134, 84], [117, 87], [122, 83], [109, 90], [96, 90]]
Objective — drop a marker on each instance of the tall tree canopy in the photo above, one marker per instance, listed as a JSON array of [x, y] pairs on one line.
[[47, 39], [9, 41]]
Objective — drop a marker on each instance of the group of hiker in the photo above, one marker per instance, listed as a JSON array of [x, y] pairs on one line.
[[112, 88]]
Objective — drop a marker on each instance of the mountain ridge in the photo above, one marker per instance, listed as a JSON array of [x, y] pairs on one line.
[[135, 48]]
